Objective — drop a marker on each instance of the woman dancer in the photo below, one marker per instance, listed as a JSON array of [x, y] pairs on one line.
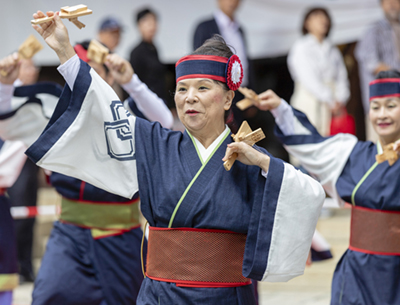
[[368, 272], [210, 230]]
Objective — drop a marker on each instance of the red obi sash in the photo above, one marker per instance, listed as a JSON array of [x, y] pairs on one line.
[[196, 257], [375, 231]]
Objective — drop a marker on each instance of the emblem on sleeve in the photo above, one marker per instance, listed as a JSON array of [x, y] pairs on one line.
[[118, 133]]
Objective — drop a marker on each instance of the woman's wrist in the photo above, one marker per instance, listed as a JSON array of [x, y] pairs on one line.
[[65, 53], [264, 163]]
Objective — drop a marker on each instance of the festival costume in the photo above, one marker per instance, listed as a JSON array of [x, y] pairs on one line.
[[12, 159], [368, 272], [165, 165], [93, 254]]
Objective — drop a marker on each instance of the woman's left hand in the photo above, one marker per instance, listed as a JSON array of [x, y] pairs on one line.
[[247, 155]]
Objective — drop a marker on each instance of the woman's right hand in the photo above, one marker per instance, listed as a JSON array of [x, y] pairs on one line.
[[55, 34], [9, 69], [268, 100]]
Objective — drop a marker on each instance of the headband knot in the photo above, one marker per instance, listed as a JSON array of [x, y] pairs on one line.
[[226, 70], [384, 87]]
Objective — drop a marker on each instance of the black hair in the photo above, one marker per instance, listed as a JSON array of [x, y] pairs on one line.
[[388, 74], [217, 46], [316, 10], [144, 12]]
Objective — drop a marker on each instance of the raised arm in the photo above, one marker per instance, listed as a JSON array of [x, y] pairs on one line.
[[90, 135], [146, 100], [323, 158], [26, 122], [55, 34], [9, 66]]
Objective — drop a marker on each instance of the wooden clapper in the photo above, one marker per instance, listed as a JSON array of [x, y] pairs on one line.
[[388, 154], [244, 134], [68, 12], [27, 49], [97, 52], [250, 98]]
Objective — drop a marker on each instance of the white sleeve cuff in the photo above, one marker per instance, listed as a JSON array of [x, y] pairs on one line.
[[70, 69], [284, 117], [264, 173]]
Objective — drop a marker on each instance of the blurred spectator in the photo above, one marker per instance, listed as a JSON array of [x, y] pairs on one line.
[[144, 57], [379, 50], [318, 70], [224, 23], [110, 33], [24, 190]]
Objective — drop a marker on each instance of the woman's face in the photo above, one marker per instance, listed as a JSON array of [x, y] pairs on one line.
[[317, 24], [384, 114], [201, 105]]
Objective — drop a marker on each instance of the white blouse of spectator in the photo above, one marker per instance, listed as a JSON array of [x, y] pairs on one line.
[[317, 66]]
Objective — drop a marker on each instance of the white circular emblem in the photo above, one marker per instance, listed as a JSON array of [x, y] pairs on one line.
[[236, 72]]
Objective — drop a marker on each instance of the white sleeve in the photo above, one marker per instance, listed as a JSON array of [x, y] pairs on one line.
[[6, 94], [323, 158], [69, 70], [90, 136], [25, 126], [305, 71], [299, 204], [148, 102], [286, 120], [12, 159]]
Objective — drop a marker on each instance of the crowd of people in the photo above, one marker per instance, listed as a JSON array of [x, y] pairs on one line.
[[109, 149]]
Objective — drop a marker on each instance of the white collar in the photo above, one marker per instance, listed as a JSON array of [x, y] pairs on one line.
[[224, 21], [206, 152]]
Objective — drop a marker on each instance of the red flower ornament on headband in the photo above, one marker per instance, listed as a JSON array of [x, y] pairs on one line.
[[234, 73]]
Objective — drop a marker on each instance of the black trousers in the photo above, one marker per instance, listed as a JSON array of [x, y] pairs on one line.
[[24, 193]]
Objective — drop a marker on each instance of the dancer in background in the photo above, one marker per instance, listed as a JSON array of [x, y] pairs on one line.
[[93, 254], [144, 57], [24, 190], [368, 272], [12, 159]]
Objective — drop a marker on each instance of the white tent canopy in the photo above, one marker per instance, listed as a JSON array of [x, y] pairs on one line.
[[271, 25]]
